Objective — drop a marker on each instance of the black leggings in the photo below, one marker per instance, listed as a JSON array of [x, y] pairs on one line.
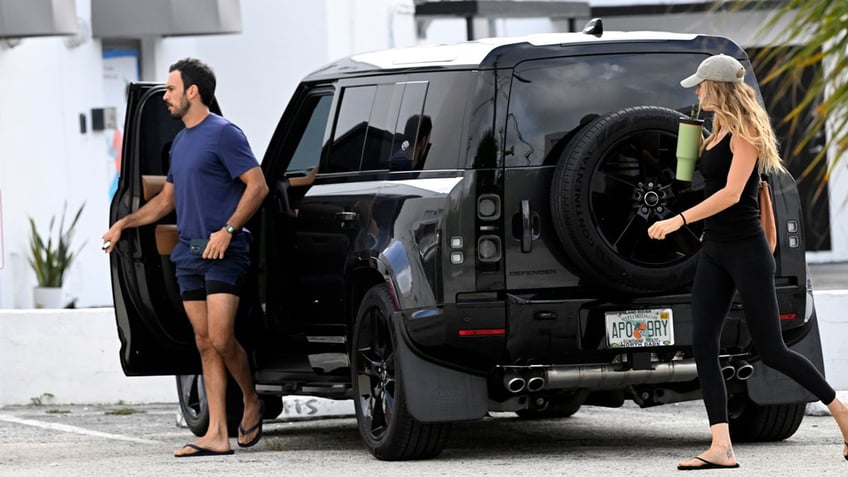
[[746, 265]]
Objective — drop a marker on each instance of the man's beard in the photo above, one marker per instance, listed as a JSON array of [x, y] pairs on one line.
[[180, 110]]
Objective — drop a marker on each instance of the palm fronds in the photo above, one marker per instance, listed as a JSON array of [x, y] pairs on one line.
[[815, 32]]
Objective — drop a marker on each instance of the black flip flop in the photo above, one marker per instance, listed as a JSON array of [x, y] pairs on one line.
[[244, 432], [846, 456], [203, 452], [706, 465]]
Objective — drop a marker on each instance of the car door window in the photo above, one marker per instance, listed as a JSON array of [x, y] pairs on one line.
[[350, 131], [378, 140], [444, 108], [308, 151], [406, 146]]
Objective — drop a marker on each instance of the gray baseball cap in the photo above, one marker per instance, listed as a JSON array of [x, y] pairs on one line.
[[716, 68]]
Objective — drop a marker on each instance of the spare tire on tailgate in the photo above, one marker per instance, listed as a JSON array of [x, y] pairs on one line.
[[614, 179]]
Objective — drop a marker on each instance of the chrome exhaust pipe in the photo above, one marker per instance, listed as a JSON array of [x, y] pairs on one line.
[[535, 383], [513, 381], [744, 370], [607, 376], [728, 371]]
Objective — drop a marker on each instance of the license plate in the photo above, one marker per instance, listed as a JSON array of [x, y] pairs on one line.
[[639, 328]]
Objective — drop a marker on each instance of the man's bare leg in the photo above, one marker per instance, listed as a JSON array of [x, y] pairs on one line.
[[222, 308], [215, 381]]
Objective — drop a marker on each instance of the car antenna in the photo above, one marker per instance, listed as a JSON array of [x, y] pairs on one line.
[[595, 27]]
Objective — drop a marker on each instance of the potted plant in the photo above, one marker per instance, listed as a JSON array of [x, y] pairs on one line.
[[50, 257]]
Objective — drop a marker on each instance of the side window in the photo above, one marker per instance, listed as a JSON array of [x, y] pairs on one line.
[[378, 140], [412, 129], [350, 131], [444, 108], [308, 151]]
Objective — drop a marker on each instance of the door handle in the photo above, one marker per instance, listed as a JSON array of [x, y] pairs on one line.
[[526, 228]]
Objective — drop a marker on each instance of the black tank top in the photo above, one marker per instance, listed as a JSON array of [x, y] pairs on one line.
[[741, 220]]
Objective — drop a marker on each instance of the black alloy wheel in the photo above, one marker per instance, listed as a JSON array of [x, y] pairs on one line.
[[195, 408], [615, 178], [386, 427]]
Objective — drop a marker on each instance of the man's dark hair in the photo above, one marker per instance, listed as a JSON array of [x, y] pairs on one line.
[[195, 72], [412, 126]]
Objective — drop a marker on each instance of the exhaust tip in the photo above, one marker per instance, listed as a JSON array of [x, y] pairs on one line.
[[513, 381], [515, 385], [744, 370], [728, 371], [535, 383]]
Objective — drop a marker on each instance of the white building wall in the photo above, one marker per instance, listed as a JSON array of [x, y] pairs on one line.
[[45, 86], [45, 160]]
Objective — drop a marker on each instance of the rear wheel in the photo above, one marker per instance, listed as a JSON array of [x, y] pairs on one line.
[[755, 423], [386, 426]]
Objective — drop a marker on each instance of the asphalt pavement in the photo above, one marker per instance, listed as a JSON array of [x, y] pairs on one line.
[[101, 441]]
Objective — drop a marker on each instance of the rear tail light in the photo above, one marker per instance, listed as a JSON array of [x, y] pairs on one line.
[[483, 332]]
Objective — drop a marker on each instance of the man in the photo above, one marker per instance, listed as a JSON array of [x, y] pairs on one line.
[[411, 158], [215, 185]]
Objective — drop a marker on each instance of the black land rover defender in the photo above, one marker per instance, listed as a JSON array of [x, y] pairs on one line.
[[460, 229]]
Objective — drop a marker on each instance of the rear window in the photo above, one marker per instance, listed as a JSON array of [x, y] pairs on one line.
[[550, 99]]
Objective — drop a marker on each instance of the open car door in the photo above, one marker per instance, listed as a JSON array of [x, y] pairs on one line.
[[156, 337]]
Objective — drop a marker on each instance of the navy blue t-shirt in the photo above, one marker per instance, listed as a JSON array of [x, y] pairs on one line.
[[206, 162]]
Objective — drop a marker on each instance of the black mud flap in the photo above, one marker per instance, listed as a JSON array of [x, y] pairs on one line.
[[435, 393], [768, 386]]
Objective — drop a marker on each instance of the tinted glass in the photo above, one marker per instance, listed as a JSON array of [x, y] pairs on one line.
[[407, 149], [445, 105], [160, 128], [551, 98], [308, 151], [378, 143], [351, 128]]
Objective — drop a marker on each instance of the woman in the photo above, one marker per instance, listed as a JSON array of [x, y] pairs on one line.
[[735, 253]]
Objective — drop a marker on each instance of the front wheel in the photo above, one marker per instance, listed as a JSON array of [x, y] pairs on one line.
[[386, 426]]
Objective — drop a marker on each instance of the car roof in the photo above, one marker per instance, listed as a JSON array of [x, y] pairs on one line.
[[508, 51]]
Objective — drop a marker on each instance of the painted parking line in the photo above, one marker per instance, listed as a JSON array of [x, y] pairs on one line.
[[74, 429]]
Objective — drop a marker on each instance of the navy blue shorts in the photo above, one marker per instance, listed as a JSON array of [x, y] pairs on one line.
[[198, 277]]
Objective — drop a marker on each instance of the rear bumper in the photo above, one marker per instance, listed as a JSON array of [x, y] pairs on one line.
[[535, 329]]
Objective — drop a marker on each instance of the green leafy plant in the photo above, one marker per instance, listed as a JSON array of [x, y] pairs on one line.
[[50, 256]]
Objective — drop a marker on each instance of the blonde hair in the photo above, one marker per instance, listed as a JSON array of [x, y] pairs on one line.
[[736, 110]]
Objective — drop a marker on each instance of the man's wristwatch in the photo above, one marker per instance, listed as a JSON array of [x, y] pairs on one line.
[[229, 228]]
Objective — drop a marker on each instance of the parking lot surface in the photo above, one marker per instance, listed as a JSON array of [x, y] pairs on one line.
[[139, 441]]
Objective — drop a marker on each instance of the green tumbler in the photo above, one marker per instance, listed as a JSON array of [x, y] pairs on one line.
[[688, 144]]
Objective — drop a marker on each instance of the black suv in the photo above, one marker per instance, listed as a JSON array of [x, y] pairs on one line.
[[460, 229]]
